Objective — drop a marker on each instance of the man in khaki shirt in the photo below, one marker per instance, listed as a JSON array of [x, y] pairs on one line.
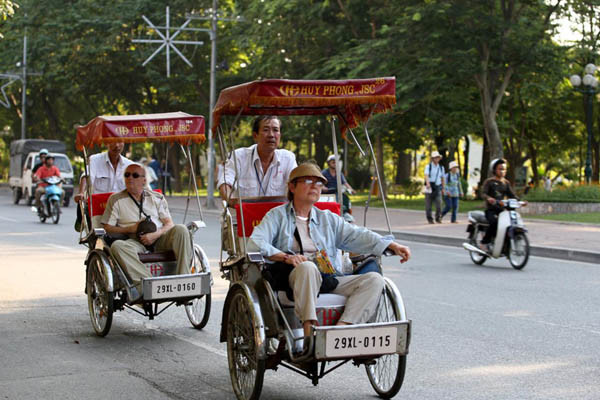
[[124, 212]]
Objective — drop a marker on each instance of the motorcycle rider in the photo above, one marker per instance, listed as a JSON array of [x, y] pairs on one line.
[[45, 171], [495, 189], [42, 154]]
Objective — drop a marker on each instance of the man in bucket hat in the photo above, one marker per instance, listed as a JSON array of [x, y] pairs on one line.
[[305, 240], [434, 187]]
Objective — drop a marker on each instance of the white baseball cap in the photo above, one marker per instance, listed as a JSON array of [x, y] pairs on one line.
[[435, 154]]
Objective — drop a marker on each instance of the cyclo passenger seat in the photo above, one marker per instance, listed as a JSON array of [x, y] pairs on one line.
[[160, 263], [330, 307]]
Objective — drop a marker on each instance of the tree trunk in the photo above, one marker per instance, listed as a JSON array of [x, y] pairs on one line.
[[466, 157], [534, 164], [403, 167], [485, 161], [379, 153]]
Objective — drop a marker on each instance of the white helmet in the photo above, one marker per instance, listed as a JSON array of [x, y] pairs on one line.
[[494, 163]]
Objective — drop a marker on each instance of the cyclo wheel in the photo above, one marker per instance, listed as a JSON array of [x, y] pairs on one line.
[[245, 368], [100, 301], [198, 310], [387, 374], [55, 211], [476, 257], [519, 255]]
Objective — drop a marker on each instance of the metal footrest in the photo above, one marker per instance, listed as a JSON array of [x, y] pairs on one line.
[[176, 286]]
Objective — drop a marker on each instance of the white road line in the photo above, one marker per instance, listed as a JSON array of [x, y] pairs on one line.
[[195, 342], [8, 219], [65, 248]]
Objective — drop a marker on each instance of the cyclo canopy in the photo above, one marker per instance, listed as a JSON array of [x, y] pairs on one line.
[[352, 100], [175, 127]]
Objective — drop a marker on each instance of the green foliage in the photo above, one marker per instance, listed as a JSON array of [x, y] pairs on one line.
[[574, 193]]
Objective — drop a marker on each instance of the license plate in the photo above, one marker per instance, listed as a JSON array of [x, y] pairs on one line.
[[188, 286], [361, 342]]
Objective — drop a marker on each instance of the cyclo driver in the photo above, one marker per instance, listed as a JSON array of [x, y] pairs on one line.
[[298, 237]]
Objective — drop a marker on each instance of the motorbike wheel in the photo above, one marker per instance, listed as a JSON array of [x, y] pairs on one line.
[[198, 310], [387, 374], [519, 255], [55, 211], [100, 301], [476, 257], [16, 195], [245, 368]]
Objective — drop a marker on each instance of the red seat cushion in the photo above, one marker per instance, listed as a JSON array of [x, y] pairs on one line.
[[255, 212], [99, 201]]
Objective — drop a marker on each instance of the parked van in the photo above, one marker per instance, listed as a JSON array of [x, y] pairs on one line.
[[24, 155]]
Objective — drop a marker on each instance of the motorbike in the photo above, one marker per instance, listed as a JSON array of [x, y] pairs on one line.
[[511, 236], [50, 200]]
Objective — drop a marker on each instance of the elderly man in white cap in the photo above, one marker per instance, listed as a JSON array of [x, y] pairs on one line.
[[453, 191], [303, 241], [434, 187]]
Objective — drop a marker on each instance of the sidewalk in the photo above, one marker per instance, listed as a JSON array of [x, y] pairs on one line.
[[561, 240]]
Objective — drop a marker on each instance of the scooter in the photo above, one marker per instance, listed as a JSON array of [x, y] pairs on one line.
[[50, 200], [511, 236]]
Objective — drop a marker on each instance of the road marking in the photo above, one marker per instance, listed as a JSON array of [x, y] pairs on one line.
[[8, 219], [66, 248], [195, 342]]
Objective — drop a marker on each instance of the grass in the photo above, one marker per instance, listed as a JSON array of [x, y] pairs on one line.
[[589, 218]]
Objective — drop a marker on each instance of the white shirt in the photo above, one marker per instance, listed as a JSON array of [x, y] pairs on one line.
[[435, 173], [104, 178], [253, 181]]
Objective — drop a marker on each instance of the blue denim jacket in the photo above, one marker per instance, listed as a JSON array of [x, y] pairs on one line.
[[329, 231]]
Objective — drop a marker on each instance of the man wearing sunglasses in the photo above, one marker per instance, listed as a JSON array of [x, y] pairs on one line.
[[127, 213], [263, 168], [304, 241]]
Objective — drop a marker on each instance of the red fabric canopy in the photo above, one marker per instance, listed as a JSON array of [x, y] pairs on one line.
[[178, 127], [353, 100]]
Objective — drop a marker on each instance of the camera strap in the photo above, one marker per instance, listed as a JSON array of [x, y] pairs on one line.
[[140, 205]]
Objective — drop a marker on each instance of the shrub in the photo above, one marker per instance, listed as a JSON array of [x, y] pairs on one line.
[[564, 194]]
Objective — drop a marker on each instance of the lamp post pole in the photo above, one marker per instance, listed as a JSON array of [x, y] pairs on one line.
[[589, 89], [589, 110]]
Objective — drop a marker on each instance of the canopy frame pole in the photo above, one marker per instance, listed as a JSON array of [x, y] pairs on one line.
[[240, 198], [338, 170], [385, 210], [88, 192], [362, 152], [193, 175]]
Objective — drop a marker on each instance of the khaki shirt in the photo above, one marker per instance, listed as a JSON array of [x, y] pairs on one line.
[[122, 211]]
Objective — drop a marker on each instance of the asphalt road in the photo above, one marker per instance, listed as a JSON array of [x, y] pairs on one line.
[[479, 332]]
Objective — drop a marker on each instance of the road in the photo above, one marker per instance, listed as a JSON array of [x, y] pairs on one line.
[[479, 332]]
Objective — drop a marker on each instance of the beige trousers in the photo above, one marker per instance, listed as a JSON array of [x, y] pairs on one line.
[[362, 293], [176, 239]]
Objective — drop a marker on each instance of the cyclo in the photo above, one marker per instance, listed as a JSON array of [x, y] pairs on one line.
[[260, 326], [108, 285]]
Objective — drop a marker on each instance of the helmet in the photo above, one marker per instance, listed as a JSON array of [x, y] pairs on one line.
[[43, 152], [49, 156], [494, 163]]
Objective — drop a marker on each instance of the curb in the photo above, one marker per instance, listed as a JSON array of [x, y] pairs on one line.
[[537, 251]]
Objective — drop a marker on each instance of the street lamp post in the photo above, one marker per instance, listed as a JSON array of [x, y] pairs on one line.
[[589, 89]]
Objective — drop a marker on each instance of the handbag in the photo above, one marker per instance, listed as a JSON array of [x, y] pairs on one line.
[[329, 281], [145, 226]]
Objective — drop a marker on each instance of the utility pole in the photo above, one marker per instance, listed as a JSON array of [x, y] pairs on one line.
[[214, 18], [23, 77]]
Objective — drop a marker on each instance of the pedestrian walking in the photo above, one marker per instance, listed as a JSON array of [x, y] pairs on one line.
[[453, 191], [434, 187]]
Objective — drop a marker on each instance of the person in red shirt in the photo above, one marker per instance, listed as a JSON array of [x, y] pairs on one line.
[[45, 171]]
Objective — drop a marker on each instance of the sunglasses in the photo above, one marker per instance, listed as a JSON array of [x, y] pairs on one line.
[[135, 175], [310, 181]]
